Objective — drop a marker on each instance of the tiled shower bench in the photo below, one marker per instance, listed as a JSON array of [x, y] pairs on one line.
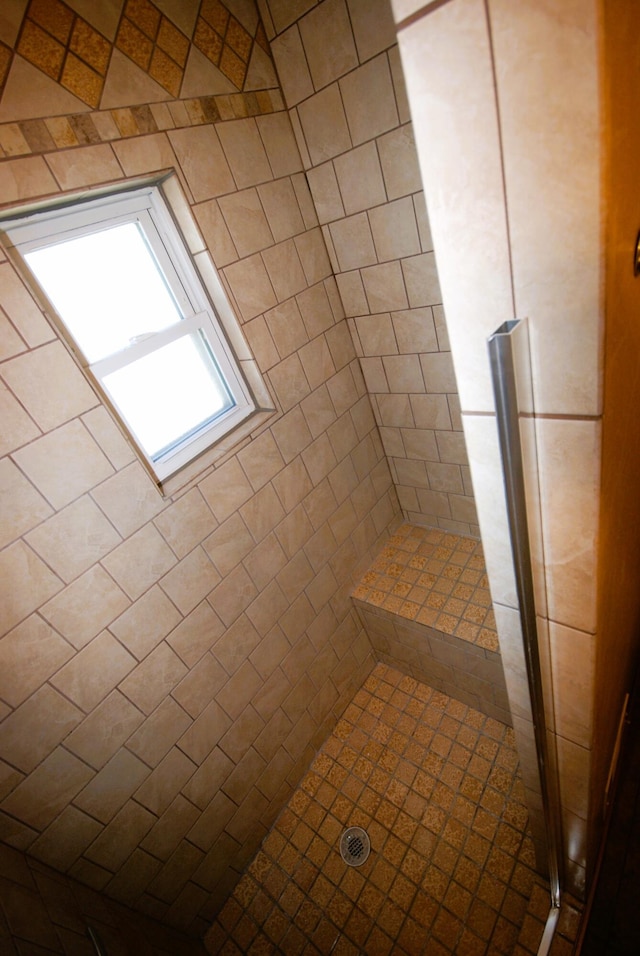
[[426, 606]]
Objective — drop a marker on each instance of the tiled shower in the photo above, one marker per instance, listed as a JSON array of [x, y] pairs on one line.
[[172, 666]]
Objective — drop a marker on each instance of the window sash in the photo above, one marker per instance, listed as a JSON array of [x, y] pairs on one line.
[[52, 226]]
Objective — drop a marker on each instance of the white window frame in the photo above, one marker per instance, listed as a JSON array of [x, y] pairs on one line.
[[147, 207]]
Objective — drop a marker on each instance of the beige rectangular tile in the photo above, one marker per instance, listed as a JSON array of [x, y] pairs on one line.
[[34, 730], [48, 790], [154, 678], [146, 623], [106, 728], [245, 152], [190, 581], [129, 499], [109, 790], [94, 671], [85, 167], [18, 428], [163, 785], [140, 561], [47, 462], [28, 507], [75, 538], [28, 583], [86, 606], [159, 732], [122, 835]]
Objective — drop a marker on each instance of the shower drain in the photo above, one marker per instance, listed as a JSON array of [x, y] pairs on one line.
[[355, 846]]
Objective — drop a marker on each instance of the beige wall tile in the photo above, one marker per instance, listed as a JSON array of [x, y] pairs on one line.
[[27, 581], [94, 671], [21, 308], [454, 106], [195, 634], [177, 820], [394, 229], [360, 178], [47, 462], [540, 236], [251, 286], [104, 731], [369, 100], [139, 561], [28, 507], [284, 269], [326, 194], [399, 161], [26, 178], [415, 330], [190, 581], [313, 255], [159, 790], [65, 838], [328, 42], [89, 165], [226, 489], [216, 232], [186, 523], [155, 737], [289, 382], [199, 687], [18, 428], [316, 308], [262, 512], [146, 623], [385, 288], [373, 26], [29, 655], [202, 161], [86, 606], [282, 151], [233, 595], [317, 362], [569, 455], [108, 435], [286, 327], [261, 460], [48, 790], [74, 539], [281, 207], [120, 838], [50, 385], [403, 373], [153, 679], [109, 790], [293, 69], [324, 125], [353, 243], [573, 685], [129, 509], [246, 221], [229, 544], [245, 152], [32, 731], [437, 368]]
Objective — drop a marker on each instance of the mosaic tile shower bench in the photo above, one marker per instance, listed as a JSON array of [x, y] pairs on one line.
[[426, 606]]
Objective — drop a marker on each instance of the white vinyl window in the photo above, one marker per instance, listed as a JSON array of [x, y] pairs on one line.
[[119, 277]]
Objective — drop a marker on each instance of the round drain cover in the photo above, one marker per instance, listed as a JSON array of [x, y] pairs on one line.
[[355, 846]]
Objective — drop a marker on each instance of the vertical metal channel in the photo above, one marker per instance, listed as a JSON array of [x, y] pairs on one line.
[[506, 358]]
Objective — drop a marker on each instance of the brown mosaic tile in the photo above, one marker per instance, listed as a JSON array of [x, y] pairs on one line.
[[134, 43], [145, 15], [54, 17], [81, 80], [165, 72], [90, 46], [173, 42], [208, 41], [41, 49]]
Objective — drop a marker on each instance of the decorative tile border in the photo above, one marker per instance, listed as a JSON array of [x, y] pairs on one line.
[[30, 137], [66, 48]]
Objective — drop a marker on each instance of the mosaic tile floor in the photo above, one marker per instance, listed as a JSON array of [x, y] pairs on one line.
[[435, 578], [436, 786]]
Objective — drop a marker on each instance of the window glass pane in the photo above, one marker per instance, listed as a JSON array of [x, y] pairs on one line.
[[108, 288], [171, 393]]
